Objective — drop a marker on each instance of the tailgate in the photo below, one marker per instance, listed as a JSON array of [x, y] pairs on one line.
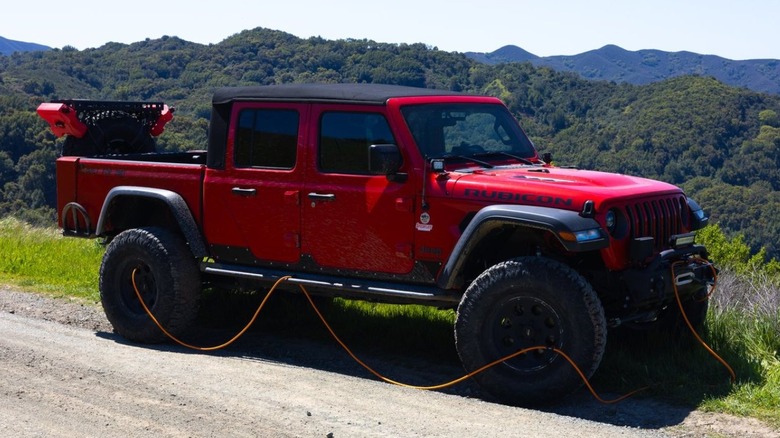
[[69, 217]]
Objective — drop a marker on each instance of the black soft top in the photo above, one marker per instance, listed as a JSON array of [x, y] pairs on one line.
[[372, 94], [358, 93]]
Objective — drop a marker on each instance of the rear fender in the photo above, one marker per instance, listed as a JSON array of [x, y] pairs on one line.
[[173, 201]]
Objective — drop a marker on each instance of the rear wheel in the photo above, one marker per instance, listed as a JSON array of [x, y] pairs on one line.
[[166, 277], [529, 302]]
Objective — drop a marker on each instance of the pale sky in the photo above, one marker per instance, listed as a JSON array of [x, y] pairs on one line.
[[734, 29]]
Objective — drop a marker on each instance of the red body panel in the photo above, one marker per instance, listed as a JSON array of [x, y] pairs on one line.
[[256, 208], [87, 181], [66, 185], [369, 215], [459, 193]]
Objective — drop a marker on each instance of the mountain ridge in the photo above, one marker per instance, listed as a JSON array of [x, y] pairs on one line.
[[609, 63], [8, 47], [641, 67]]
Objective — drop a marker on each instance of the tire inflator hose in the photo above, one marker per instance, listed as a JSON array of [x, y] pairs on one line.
[[442, 385]]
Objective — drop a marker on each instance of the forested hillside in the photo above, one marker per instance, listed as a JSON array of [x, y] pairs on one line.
[[722, 144]]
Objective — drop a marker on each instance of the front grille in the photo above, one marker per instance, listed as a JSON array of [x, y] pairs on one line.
[[659, 218]]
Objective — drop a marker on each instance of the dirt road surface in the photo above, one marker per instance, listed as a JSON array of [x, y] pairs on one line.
[[64, 373]]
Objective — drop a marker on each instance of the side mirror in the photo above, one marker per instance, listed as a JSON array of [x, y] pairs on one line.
[[698, 219], [384, 159]]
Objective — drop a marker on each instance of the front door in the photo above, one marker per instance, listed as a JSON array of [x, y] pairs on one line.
[[353, 220]]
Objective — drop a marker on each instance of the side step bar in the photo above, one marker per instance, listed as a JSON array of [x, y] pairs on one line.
[[353, 287]]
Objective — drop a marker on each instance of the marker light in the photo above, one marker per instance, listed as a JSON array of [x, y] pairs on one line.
[[581, 236], [588, 235]]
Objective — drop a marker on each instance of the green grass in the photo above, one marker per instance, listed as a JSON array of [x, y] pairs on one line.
[[682, 372], [752, 341], [416, 330], [40, 259], [743, 327]]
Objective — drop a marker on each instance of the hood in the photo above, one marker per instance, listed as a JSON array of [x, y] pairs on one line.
[[553, 187]]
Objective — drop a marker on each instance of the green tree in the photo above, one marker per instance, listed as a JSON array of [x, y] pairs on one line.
[[720, 143]]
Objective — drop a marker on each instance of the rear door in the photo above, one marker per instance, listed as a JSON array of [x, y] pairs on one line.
[[352, 219], [252, 207]]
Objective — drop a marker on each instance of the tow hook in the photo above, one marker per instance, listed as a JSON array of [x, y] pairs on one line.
[[684, 278]]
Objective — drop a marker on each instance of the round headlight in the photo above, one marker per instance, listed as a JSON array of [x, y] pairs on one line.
[[611, 221]]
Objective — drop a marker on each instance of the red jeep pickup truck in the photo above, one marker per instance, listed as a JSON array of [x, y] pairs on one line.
[[381, 193]]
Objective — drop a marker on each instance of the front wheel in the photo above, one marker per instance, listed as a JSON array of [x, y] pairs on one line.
[[530, 302], [166, 277]]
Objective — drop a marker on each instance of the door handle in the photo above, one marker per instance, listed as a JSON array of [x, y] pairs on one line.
[[322, 196], [243, 192]]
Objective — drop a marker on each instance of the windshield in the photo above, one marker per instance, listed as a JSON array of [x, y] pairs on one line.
[[466, 130]]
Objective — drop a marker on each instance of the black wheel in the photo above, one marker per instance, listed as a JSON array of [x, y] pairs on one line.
[[79, 146], [125, 135], [528, 302], [114, 135], [166, 276]]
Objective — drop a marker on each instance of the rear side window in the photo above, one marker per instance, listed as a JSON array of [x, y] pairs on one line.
[[267, 138], [345, 138]]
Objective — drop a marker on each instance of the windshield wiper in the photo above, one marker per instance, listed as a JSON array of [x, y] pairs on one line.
[[484, 164], [507, 154]]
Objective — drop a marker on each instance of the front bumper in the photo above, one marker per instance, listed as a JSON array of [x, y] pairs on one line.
[[645, 291]]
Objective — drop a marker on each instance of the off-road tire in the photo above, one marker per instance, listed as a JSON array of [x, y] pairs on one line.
[[167, 277], [527, 302], [117, 135]]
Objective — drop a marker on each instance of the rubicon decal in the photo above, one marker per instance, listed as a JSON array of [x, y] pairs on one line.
[[517, 197]]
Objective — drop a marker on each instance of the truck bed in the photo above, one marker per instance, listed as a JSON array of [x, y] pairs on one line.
[[181, 173]]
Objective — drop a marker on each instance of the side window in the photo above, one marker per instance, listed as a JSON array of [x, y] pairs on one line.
[[267, 138], [345, 138]]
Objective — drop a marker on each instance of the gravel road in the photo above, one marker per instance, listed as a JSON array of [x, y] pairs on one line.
[[64, 373]]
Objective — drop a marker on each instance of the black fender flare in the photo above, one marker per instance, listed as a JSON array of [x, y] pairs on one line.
[[563, 224], [175, 203]]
